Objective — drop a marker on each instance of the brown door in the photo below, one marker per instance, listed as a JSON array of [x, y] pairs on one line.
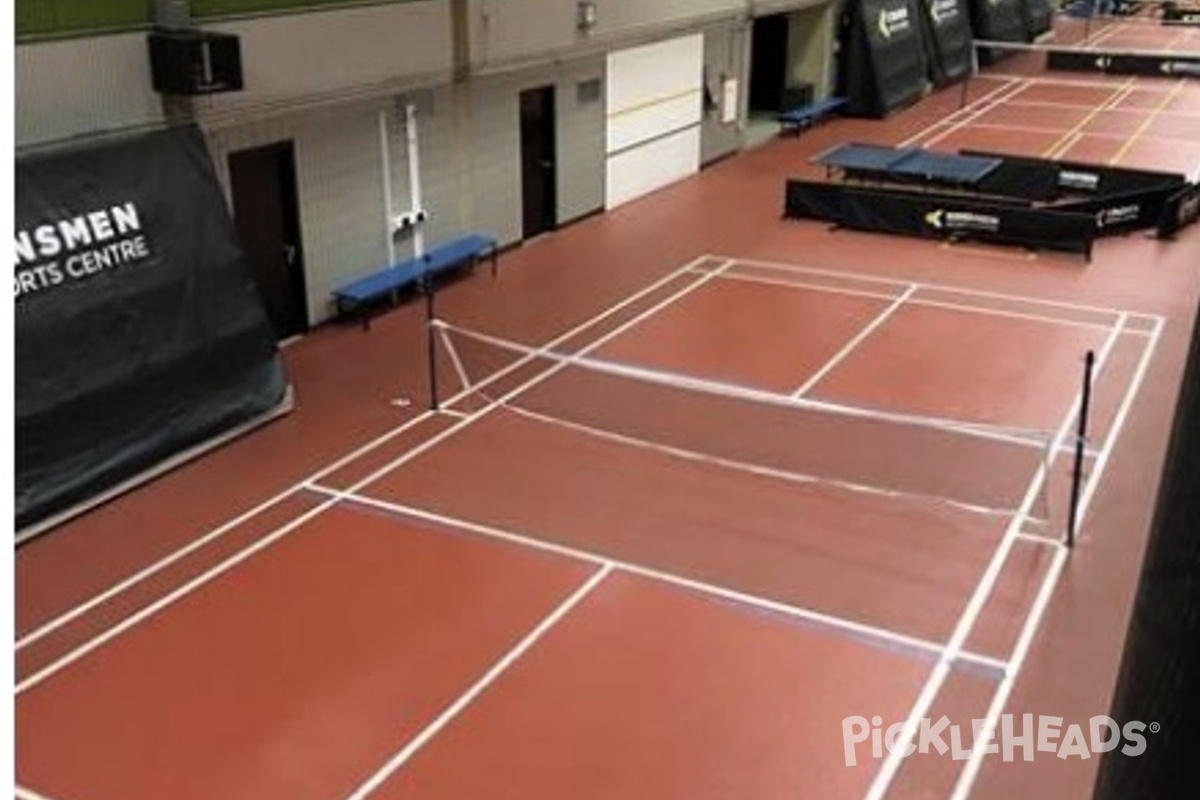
[[266, 212], [538, 168], [768, 62]]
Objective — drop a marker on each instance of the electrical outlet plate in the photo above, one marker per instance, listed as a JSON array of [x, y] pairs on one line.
[[407, 220]]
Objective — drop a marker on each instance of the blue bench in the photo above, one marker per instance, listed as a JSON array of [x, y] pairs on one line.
[[360, 294], [796, 119]]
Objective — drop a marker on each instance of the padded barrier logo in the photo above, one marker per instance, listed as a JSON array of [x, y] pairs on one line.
[[950, 221], [1185, 68], [1117, 215], [1075, 179], [943, 10], [893, 21], [1189, 209]]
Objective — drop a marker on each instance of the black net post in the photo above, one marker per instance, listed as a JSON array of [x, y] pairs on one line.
[[430, 338], [1089, 366]]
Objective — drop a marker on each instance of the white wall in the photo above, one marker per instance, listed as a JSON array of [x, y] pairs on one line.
[[77, 86], [327, 56], [506, 31]]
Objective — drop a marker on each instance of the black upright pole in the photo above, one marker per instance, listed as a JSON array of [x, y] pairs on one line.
[[430, 340], [1089, 366]]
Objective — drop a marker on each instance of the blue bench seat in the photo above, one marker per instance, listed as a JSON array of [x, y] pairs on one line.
[[361, 294], [794, 120]]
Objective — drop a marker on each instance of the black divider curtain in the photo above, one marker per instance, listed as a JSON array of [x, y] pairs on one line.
[[883, 56], [139, 332], [948, 39]]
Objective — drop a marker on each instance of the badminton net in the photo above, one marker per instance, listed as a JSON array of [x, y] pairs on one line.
[[1165, 55], [980, 468]]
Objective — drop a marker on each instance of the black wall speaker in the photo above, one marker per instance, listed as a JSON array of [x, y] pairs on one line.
[[191, 62]]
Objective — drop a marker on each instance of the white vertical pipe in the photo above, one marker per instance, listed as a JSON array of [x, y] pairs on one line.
[[414, 177], [385, 152]]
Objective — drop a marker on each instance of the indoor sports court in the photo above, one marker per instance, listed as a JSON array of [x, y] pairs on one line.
[[661, 503]]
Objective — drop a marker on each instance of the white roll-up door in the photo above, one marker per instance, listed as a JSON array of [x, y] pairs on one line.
[[654, 105]]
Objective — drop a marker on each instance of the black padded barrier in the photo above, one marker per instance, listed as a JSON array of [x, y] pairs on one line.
[[939, 216], [1038, 16], [948, 40], [1116, 214], [998, 21], [1149, 65], [1084, 177], [1181, 211], [1173, 14], [882, 64]]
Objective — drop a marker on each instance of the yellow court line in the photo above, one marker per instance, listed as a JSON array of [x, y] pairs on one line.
[[985, 252], [1154, 114], [658, 101], [1074, 134]]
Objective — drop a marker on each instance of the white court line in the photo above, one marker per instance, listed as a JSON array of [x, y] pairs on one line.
[[479, 687], [853, 344], [459, 369], [1037, 538], [967, 777], [229, 563], [802, 269], [978, 601], [176, 556], [812, 287], [858, 629], [920, 301], [1017, 315]]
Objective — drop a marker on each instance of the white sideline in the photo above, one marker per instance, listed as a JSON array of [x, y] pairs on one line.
[[480, 686], [853, 344], [224, 566], [920, 301], [967, 777], [859, 629], [975, 606], [165, 562]]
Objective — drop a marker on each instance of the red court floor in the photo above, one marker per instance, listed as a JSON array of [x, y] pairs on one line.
[[705, 497]]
